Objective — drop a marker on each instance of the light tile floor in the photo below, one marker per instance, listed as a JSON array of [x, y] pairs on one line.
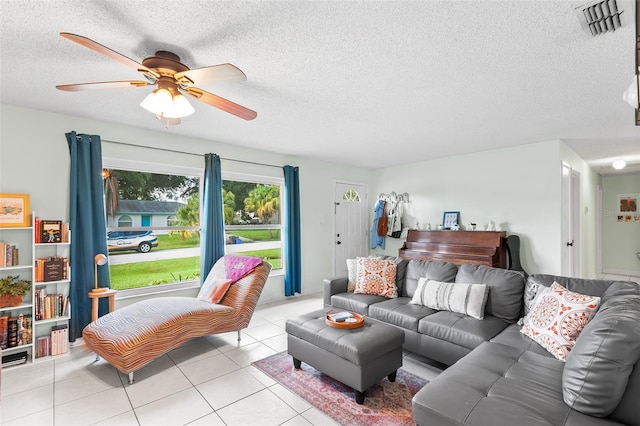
[[207, 381]]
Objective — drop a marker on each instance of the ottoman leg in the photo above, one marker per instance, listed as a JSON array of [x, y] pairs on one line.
[[392, 376], [359, 396], [297, 363]]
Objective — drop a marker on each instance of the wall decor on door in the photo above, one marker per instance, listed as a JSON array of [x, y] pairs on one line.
[[14, 210]]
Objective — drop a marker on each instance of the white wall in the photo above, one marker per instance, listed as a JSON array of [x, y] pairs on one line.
[[620, 240], [34, 159], [518, 188]]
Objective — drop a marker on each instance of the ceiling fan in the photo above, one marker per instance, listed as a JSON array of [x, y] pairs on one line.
[[172, 78]]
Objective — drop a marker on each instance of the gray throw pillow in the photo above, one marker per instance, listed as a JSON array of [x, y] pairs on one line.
[[597, 370]]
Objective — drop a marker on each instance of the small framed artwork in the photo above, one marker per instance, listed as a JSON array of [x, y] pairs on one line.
[[449, 219], [14, 210], [628, 203]]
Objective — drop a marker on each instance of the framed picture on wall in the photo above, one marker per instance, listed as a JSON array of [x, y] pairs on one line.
[[14, 210], [449, 219], [628, 203]]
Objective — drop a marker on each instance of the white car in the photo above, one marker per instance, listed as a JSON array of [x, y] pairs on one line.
[[141, 241]]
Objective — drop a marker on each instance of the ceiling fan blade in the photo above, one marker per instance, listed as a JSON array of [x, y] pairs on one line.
[[112, 54], [221, 103], [223, 72], [102, 85]]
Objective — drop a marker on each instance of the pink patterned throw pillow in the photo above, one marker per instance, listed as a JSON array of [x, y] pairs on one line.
[[557, 318], [376, 276], [237, 266]]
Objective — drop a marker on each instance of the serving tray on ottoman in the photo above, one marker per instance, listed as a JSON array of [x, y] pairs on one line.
[[358, 357]]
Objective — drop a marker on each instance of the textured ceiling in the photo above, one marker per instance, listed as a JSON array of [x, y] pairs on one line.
[[366, 83]]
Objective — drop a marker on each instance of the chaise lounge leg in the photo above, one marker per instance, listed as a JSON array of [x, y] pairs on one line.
[[238, 335], [130, 378]]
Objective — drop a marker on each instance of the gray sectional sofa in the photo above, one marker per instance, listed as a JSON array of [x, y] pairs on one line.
[[498, 376]]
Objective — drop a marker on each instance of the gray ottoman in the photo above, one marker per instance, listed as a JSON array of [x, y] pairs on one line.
[[358, 357]]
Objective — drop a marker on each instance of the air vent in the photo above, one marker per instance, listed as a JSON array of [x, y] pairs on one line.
[[601, 16]]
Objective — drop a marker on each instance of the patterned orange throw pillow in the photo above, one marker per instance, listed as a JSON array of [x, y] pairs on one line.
[[214, 289], [557, 318], [376, 276]]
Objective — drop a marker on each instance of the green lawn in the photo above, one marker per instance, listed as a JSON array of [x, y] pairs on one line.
[[257, 234], [143, 274]]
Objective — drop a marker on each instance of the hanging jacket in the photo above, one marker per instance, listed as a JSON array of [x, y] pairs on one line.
[[377, 240]]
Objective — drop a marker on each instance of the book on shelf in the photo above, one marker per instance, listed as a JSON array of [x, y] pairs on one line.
[[48, 306], [43, 346], [51, 269], [25, 329], [4, 331], [12, 332], [51, 231], [340, 316], [59, 339], [9, 255], [15, 358]]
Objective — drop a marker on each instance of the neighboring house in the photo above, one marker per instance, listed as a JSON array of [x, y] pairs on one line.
[[140, 213]]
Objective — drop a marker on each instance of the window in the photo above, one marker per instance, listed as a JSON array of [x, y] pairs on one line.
[[150, 210], [252, 216], [351, 196], [125, 222]]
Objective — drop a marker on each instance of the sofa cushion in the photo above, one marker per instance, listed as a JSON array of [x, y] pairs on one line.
[[468, 299], [376, 276], [433, 270], [498, 385], [511, 336], [399, 312], [505, 289], [355, 302], [627, 411], [579, 285], [598, 369], [557, 318], [460, 329]]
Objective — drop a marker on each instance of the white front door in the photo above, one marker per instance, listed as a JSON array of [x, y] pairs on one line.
[[351, 230], [570, 221]]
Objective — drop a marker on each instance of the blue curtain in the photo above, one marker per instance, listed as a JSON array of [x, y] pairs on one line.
[[212, 222], [292, 251], [88, 227]]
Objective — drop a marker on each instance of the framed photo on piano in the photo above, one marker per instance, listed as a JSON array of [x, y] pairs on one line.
[[450, 219]]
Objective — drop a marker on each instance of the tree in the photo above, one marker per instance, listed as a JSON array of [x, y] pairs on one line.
[[264, 201], [132, 185], [240, 190], [188, 215], [229, 203]]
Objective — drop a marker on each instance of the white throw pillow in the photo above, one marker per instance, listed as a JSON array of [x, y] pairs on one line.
[[467, 299], [352, 272], [557, 318]]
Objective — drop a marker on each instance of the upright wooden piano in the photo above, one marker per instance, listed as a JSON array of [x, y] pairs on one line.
[[483, 247]]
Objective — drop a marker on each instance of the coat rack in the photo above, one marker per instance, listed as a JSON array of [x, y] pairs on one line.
[[394, 198]]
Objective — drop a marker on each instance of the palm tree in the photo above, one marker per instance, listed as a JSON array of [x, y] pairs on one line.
[[111, 191], [264, 201], [229, 203]]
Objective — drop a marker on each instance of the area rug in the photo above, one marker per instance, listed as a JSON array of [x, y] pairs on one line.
[[386, 403]]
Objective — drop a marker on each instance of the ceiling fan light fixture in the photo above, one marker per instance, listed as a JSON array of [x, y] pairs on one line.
[[158, 101], [181, 107]]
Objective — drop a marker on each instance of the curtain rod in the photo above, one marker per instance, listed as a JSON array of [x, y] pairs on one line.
[[190, 153]]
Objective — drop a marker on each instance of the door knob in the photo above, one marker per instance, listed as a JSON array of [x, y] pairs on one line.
[[570, 244], [338, 242]]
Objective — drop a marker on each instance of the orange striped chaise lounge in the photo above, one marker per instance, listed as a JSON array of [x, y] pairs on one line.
[[131, 337]]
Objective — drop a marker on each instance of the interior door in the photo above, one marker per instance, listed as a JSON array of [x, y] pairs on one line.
[[570, 221], [350, 225]]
